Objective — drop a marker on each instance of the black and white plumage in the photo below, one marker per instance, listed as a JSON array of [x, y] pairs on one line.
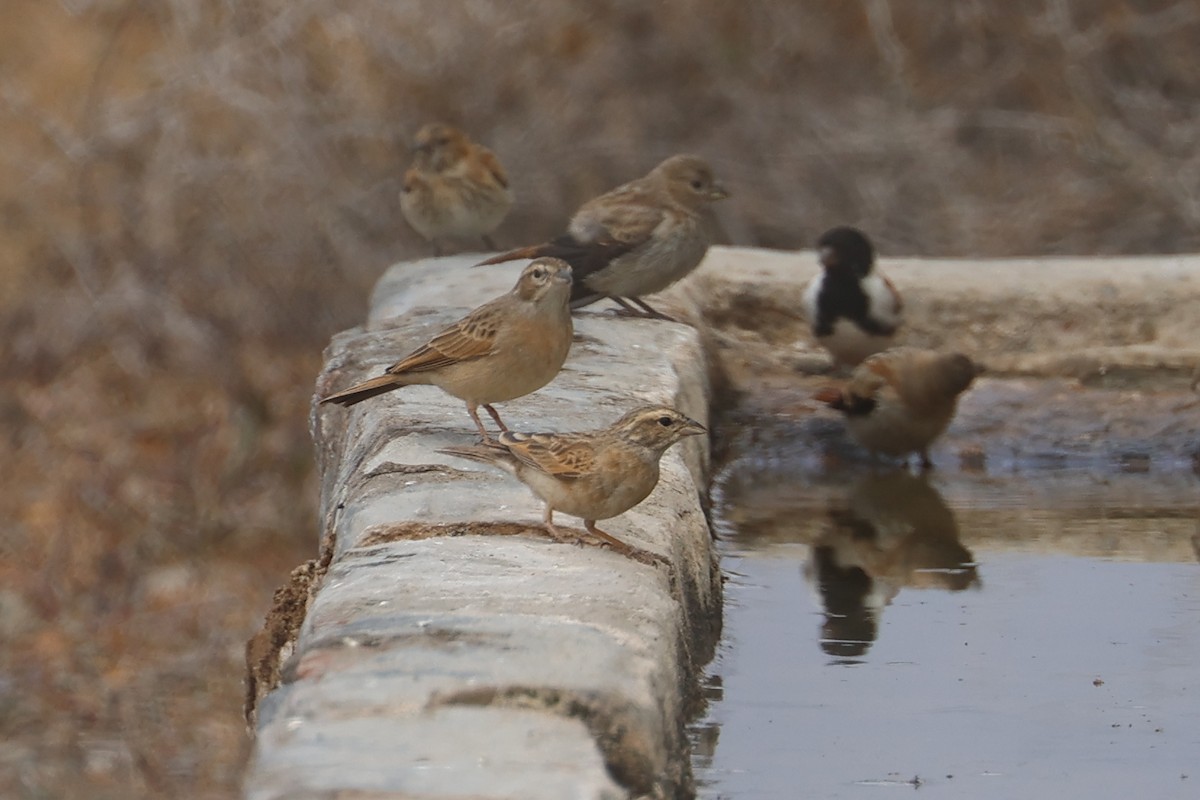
[[853, 310]]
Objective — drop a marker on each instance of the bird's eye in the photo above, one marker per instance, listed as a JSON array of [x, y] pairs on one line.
[[666, 422], [697, 184], [539, 273]]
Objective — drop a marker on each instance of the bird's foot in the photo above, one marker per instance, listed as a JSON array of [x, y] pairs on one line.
[[629, 551], [638, 554], [637, 313]]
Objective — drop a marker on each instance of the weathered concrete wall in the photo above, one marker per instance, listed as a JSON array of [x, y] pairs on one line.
[[1073, 317], [448, 647]]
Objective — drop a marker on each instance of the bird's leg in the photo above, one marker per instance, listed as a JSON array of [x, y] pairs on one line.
[[629, 551], [556, 534], [437, 249], [496, 416], [472, 409], [643, 310], [651, 311], [489, 243], [626, 309]]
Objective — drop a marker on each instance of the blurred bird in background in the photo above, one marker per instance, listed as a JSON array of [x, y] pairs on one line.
[[854, 311], [639, 238], [899, 401], [455, 189]]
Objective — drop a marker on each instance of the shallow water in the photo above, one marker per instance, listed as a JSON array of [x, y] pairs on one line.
[[1029, 634]]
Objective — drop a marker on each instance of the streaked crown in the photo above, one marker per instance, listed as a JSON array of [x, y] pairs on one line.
[[545, 278], [656, 427], [440, 146]]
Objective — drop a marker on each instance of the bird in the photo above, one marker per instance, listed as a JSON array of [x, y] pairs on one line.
[[853, 310], [454, 189], [639, 238], [504, 349], [899, 401], [594, 475]]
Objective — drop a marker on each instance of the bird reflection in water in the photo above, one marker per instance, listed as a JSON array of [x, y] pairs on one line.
[[893, 531]]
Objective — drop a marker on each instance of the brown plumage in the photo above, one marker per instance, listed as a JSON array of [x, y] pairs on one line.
[[504, 349], [455, 189], [594, 475], [639, 238], [899, 401]]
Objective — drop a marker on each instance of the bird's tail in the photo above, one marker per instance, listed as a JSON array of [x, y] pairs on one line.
[[493, 454], [531, 252], [362, 391]]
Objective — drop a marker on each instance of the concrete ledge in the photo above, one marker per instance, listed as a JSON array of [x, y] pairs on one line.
[[448, 648], [1093, 319], [440, 646]]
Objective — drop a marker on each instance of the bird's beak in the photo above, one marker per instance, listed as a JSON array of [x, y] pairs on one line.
[[693, 428], [565, 276], [717, 192], [826, 256]]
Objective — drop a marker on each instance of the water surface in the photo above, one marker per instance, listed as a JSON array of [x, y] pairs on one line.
[[1034, 633]]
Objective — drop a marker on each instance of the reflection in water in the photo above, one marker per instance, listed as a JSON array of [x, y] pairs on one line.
[[1091, 574], [893, 531]]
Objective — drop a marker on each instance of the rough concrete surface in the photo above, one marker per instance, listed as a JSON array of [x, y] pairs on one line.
[[450, 648], [1084, 318], [1091, 362]]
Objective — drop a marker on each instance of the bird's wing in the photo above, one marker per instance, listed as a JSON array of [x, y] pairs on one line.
[[602, 230], [561, 455], [414, 178], [488, 160], [876, 372], [628, 215], [607, 228], [471, 337]]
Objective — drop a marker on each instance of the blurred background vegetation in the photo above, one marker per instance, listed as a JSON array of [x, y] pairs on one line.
[[195, 194]]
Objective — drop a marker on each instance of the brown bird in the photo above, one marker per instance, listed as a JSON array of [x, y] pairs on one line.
[[504, 349], [854, 311], [594, 475], [899, 401], [454, 189], [639, 238]]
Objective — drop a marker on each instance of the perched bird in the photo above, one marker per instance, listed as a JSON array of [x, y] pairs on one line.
[[594, 475], [504, 349], [639, 238], [853, 310], [454, 189], [899, 401]]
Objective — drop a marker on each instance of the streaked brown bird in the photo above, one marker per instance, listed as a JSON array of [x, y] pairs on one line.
[[899, 401], [594, 475], [853, 310], [639, 238], [455, 189], [504, 349]]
